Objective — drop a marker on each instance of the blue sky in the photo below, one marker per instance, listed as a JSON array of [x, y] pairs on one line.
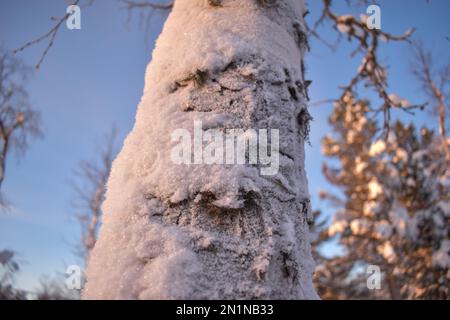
[[93, 78]]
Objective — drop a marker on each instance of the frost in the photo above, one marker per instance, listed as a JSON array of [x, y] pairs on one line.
[[399, 101], [209, 231], [342, 23]]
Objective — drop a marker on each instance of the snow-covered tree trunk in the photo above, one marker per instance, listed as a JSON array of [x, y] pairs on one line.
[[212, 231]]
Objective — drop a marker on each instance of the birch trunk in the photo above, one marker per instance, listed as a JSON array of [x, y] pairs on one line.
[[214, 231]]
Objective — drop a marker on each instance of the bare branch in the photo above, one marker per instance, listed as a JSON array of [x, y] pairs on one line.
[[130, 4], [89, 190], [18, 121], [370, 73], [146, 9], [434, 85], [50, 35]]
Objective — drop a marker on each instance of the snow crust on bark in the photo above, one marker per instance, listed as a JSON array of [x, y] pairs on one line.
[[212, 231]]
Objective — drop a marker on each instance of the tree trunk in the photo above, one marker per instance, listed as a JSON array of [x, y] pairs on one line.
[[212, 231]]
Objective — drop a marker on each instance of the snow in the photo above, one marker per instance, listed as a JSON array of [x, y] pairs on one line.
[[201, 231], [360, 165], [377, 148], [363, 18], [342, 23], [337, 227], [401, 155], [343, 28], [369, 208], [399, 101], [359, 226], [387, 251], [445, 207], [375, 189], [383, 229], [402, 222], [391, 205], [442, 256]]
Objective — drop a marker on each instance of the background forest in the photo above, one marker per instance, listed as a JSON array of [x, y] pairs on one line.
[[378, 157]]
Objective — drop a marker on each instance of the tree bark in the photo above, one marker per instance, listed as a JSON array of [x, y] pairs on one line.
[[212, 231]]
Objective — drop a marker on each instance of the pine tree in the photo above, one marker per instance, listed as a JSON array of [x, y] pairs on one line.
[[212, 231], [393, 211]]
